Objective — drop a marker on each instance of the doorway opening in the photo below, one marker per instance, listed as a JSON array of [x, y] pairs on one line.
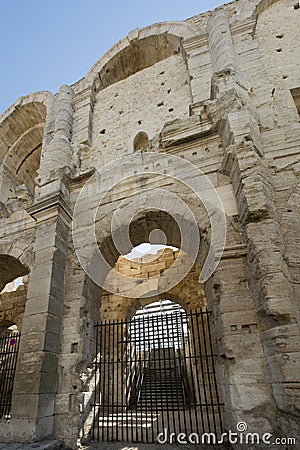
[[154, 372]]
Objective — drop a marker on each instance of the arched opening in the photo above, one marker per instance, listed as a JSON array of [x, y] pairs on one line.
[[150, 226], [156, 370], [138, 55], [13, 287], [11, 269], [141, 142], [22, 128], [115, 398], [155, 359], [158, 332]]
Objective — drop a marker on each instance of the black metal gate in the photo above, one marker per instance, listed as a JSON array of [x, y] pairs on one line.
[[9, 346], [155, 375]]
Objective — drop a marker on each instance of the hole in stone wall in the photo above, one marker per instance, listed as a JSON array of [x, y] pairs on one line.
[[160, 104], [171, 109], [279, 36], [147, 248], [246, 329], [297, 6], [12, 273], [74, 347], [102, 131], [13, 285], [278, 50]]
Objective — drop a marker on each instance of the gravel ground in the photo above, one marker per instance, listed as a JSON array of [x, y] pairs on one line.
[[122, 446], [56, 445], [47, 445]]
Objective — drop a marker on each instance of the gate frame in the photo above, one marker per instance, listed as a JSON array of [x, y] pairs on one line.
[[204, 352]]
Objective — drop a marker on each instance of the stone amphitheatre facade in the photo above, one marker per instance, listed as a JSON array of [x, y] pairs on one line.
[[216, 96]]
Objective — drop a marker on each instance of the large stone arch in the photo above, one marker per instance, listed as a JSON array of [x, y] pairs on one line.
[[142, 48], [10, 269], [20, 251], [22, 131], [174, 30], [139, 231], [25, 113]]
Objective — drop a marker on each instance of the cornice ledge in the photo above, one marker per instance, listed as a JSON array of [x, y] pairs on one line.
[[51, 207]]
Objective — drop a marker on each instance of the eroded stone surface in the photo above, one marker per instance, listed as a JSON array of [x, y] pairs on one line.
[[219, 90]]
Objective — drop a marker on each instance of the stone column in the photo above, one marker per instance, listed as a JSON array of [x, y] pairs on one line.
[[57, 151], [36, 380], [37, 371], [224, 60], [229, 86], [221, 47]]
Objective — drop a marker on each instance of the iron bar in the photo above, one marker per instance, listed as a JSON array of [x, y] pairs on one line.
[[9, 347], [155, 368]]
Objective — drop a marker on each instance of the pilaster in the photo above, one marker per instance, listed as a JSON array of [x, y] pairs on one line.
[[251, 179]]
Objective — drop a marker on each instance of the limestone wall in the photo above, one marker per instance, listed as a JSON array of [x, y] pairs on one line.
[[12, 307], [189, 293], [142, 102], [219, 90]]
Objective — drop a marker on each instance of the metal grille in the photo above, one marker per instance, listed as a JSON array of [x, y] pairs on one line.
[[9, 346], [155, 373]]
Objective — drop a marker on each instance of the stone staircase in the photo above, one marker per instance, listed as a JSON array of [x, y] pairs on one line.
[[162, 385]]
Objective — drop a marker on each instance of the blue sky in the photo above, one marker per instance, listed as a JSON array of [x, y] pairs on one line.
[[46, 43]]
